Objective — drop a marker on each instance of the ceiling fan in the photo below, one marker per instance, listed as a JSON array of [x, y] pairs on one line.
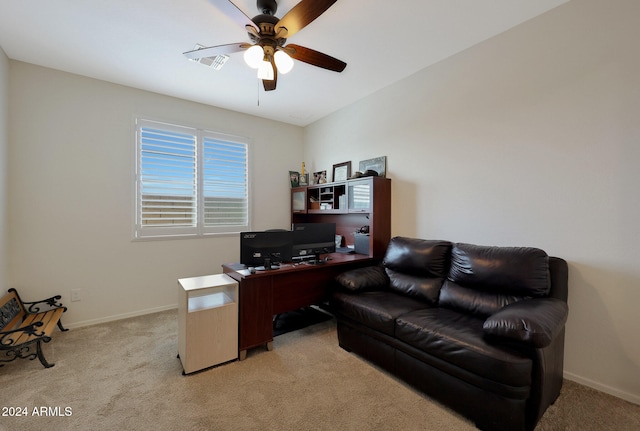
[[268, 52]]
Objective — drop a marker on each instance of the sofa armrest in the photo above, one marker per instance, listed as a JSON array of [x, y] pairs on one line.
[[366, 278], [535, 322]]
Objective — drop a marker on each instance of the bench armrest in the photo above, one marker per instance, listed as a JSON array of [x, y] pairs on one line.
[[362, 279], [535, 322]]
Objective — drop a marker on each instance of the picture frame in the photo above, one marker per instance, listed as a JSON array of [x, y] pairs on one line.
[[294, 178], [378, 164], [304, 180], [341, 171], [320, 177]]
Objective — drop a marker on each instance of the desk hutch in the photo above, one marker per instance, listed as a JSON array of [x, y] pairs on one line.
[[350, 204]]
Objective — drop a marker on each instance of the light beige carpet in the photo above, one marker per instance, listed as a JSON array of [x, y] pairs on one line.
[[125, 376]]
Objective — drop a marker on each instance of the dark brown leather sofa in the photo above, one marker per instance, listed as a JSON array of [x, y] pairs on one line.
[[480, 329]]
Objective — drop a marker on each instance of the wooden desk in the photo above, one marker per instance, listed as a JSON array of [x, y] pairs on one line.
[[267, 293]]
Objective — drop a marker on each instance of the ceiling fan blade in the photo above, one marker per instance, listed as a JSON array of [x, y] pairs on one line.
[[271, 84], [302, 14], [228, 8], [314, 58], [212, 51]]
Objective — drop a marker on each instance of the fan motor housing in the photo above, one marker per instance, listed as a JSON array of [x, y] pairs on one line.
[[267, 6], [266, 24]]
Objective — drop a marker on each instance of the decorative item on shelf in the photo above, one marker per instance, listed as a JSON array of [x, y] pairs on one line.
[[294, 178], [378, 164], [320, 177], [367, 173], [341, 171], [304, 177], [361, 241]]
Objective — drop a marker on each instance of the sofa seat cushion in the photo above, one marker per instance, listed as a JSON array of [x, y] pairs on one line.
[[458, 339], [377, 309]]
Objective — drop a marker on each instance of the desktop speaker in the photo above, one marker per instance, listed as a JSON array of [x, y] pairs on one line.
[[361, 242]]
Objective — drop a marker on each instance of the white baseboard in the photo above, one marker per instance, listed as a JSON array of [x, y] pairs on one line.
[[120, 316], [632, 398]]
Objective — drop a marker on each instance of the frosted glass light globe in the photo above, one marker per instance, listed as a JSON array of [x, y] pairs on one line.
[[253, 56], [265, 71], [283, 62]]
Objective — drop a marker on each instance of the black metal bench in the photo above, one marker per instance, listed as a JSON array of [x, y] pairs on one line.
[[24, 325]]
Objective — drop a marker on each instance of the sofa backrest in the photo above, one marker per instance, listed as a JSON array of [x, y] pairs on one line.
[[483, 279], [417, 267]]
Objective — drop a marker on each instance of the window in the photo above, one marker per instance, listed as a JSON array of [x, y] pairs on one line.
[[189, 182]]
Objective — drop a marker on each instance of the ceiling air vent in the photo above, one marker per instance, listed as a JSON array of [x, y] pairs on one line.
[[214, 62]]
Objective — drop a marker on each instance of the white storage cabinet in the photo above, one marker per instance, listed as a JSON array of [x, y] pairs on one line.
[[207, 321]]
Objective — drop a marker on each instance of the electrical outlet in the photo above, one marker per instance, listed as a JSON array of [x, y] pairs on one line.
[[75, 295]]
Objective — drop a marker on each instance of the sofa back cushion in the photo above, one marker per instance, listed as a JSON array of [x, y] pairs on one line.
[[417, 267], [483, 279]]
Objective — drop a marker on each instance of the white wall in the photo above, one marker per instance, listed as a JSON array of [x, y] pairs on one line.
[[71, 150], [4, 139], [531, 138]]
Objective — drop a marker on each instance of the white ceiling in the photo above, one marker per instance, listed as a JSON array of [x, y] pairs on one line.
[[139, 43]]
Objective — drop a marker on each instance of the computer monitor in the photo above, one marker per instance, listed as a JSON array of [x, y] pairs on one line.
[[313, 239], [264, 248]]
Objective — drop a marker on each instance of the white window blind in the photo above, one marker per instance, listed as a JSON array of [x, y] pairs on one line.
[[224, 183], [189, 181]]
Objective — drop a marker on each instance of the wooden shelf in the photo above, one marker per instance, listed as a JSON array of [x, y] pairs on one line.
[[326, 198]]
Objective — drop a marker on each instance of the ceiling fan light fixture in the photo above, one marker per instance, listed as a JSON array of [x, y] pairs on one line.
[[268, 35], [265, 71], [253, 56], [284, 63]]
